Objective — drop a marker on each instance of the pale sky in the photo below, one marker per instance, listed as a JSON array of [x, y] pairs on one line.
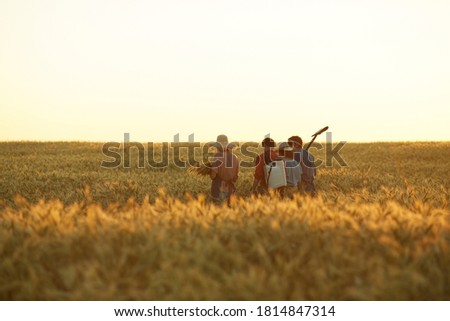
[[92, 70]]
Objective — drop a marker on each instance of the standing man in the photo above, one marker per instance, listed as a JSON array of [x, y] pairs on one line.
[[306, 161], [269, 155], [224, 171]]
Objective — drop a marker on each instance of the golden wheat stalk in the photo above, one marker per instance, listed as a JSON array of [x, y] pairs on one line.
[[203, 169]]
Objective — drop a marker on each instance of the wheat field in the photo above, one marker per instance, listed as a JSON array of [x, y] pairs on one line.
[[379, 229]]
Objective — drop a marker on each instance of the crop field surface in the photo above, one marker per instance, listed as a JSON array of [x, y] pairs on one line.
[[71, 229]]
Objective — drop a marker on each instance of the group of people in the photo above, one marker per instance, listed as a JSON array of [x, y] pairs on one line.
[[286, 168]]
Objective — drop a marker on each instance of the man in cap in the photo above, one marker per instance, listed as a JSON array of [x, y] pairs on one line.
[[306, 161], [269, 155], [224, 170]]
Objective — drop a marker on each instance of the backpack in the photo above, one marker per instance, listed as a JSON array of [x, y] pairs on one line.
[[275, 174]]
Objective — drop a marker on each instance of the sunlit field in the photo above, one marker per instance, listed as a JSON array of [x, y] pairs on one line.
[[379, 229]]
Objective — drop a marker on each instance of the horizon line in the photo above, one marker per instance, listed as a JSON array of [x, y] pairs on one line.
[[205, 142]]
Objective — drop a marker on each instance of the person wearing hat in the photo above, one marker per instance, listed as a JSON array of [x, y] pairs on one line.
[[224, 170], [269, 155], [306, 161]]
